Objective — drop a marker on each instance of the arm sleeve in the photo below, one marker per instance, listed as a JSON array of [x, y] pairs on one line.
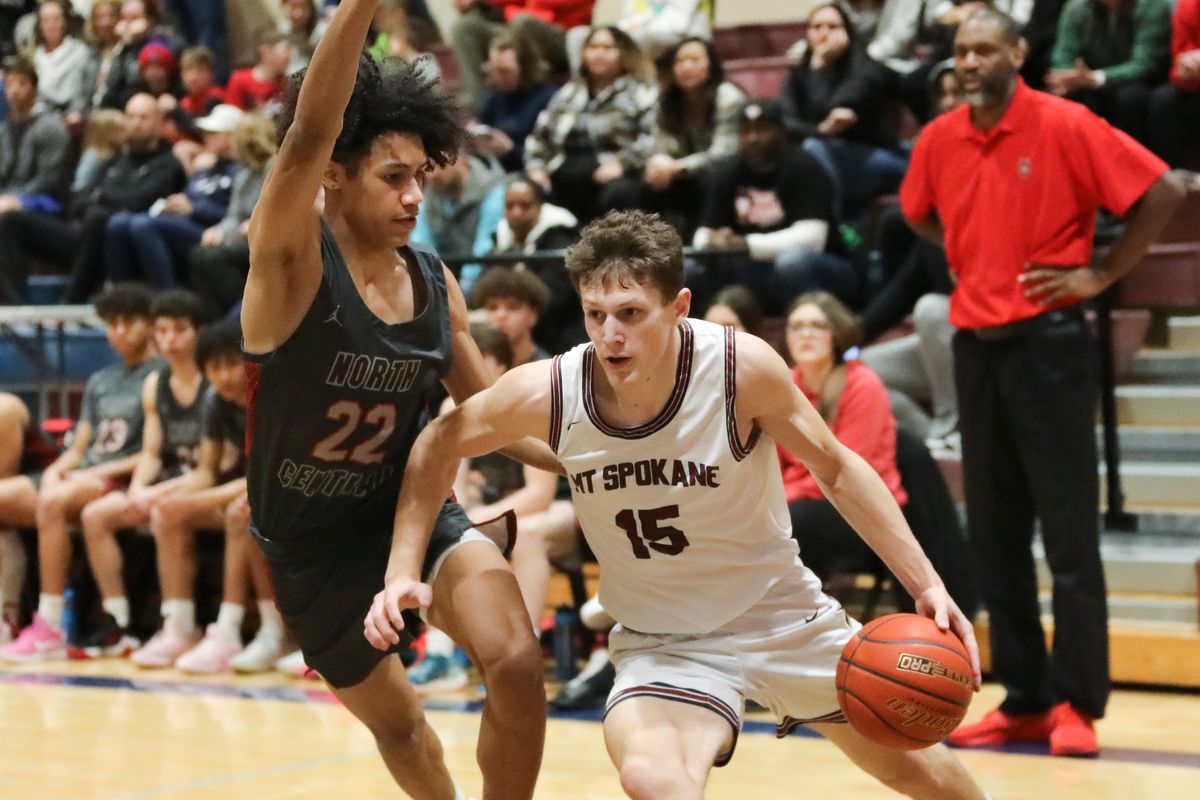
[[1067, 42], [50, 141], [1110, 168], [917, 198], [1151, 45], [809, 235], [540, 146], [895, 300], [793, 113], [730, 100]]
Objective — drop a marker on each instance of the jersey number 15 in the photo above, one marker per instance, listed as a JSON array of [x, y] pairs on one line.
[[646, 534]]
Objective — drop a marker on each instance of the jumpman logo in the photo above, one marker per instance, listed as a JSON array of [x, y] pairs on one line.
[[333, 317]]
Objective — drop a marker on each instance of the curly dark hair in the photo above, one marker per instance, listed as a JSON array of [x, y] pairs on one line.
[[392, 96], [124, 300]]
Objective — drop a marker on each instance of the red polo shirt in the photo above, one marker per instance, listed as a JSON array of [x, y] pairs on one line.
[[1025, 191]]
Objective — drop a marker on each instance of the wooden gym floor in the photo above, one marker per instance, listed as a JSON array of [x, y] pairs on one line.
[[105, 731]]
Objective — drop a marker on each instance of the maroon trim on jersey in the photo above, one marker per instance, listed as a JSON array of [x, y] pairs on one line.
[[740, 451], [556, 403], [253, 374], [789, 724], [677, 694], [683, 377]]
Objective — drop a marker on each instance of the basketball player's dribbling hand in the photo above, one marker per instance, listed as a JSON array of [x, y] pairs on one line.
[[384, 621], [936, 603]]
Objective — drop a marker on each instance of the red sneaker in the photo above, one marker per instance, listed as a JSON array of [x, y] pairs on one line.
[[1072, 733], [1000, 728]]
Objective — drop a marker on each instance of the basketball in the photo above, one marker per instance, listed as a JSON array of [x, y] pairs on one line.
[[903, 682]]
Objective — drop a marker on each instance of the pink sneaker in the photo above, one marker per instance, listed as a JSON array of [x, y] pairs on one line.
[[164, 648], [38, 642], [213, 653]]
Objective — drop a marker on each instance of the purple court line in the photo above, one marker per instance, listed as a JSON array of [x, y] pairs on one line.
[[1127, 755]]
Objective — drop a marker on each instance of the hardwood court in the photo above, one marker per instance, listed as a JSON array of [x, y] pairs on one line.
[[104, 731]]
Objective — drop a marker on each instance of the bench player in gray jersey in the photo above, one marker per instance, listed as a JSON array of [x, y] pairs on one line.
[[102, 454], [347, 328], [714, 606], [170, 446]]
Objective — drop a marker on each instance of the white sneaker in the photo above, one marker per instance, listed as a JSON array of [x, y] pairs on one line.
[[164, 647], [213, 654], [260, 655]]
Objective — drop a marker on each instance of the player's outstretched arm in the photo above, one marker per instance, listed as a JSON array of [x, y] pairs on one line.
[[285, 263], [769, 398], [516, 407]]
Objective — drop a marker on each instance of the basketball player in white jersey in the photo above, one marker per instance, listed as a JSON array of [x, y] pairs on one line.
[[666, 427]]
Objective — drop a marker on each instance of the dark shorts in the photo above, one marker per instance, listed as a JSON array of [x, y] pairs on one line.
[[324, 597]]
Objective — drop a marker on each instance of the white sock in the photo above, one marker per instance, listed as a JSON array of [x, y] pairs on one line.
[[12, 573], [230, 617], [458, 795], [50, 608], [119, 608], [272, 623], [181, 613], [438, 643]]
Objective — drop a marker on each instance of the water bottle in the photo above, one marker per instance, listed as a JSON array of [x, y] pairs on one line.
[[70, 618], [566, 620]]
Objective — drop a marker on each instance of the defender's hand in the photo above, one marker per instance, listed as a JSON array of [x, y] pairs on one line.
[[937, 604], [384, 621]]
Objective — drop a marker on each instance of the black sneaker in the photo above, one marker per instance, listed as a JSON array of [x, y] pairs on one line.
[[590, 693], [109, 640]]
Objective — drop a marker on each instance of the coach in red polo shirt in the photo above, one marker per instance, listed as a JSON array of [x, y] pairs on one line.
[[1011, 184]]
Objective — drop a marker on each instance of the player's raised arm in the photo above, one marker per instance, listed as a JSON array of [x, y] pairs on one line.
[[516, 407], [768, 396], [285, 258]]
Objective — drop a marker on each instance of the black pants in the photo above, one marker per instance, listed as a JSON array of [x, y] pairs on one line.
[[24, 236], [1027, 418], [827, 542], [1175, 132], [218, 274]]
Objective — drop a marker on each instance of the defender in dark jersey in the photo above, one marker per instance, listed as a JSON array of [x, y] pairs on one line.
[[102, 454], [212, 497], [170, 445], [347, 329]]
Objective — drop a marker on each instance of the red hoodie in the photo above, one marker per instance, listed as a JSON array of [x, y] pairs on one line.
[[864, 423], [1185, 36], [563, 13]]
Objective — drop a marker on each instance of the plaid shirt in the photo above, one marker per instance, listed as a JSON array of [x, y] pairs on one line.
[[696, 151], [618, 122]]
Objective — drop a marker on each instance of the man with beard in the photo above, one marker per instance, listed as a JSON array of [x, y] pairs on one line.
[[1010, 183]]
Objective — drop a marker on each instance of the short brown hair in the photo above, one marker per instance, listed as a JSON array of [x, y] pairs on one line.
[[492, 342], [199, 57], [505, 282], [845, 327], [529, 64], [628, 246], [20, 65]]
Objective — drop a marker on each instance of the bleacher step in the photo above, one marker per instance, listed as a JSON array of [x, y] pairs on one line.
[[1159, 483], [1136, 565], [1184, 333], [1140, 607], [1159, 405], [1166, 366]]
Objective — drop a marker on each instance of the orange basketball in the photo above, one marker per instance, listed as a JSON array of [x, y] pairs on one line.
[[904, 683]]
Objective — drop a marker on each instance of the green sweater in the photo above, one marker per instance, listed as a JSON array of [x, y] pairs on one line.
[[1128, 46]]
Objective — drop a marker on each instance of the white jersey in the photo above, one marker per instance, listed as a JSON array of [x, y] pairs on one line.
[[687, 518]]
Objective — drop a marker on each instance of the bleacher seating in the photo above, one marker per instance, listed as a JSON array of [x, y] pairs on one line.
[[756, 41], [759, 77]]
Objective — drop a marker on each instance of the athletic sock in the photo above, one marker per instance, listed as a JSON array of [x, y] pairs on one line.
[[271, 621], [118, 607], [181, 613], [50, 608], [230, 617]]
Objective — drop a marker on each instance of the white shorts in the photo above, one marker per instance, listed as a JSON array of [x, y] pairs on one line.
[[781, 653]]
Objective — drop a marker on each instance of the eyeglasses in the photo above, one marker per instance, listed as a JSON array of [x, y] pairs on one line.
[[809, 326]]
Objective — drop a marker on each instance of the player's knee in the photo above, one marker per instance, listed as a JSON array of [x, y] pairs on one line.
[[649, 778], [94, 518], [52, 503], [513, 665], [398, 733]]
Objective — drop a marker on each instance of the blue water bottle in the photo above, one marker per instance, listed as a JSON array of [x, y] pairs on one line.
[[70, 619], [566, 621]]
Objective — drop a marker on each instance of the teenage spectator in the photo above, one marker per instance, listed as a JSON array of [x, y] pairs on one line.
[[1018, 235], [516, 95], [773, 200], [464, 202], [201, 95], [218, 266], [1109, 55], [834, 100], [1175, 106], [531, 224], [852, 401], [303, 24], [153, 246], [202, 22], [696, 125], [735, 307], [171, 402], [541, 23], [212, 497], [102, 454], [104, 43], [59, 56], [158, 76], [252, 88], [140, 24], [33, 148], [595, 131], [513, 301]]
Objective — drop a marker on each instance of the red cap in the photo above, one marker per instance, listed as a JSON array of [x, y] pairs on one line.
[[154, 53]]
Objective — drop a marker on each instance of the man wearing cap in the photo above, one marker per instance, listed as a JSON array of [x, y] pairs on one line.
[[775, 202], [153, 246], [1011, 183]]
